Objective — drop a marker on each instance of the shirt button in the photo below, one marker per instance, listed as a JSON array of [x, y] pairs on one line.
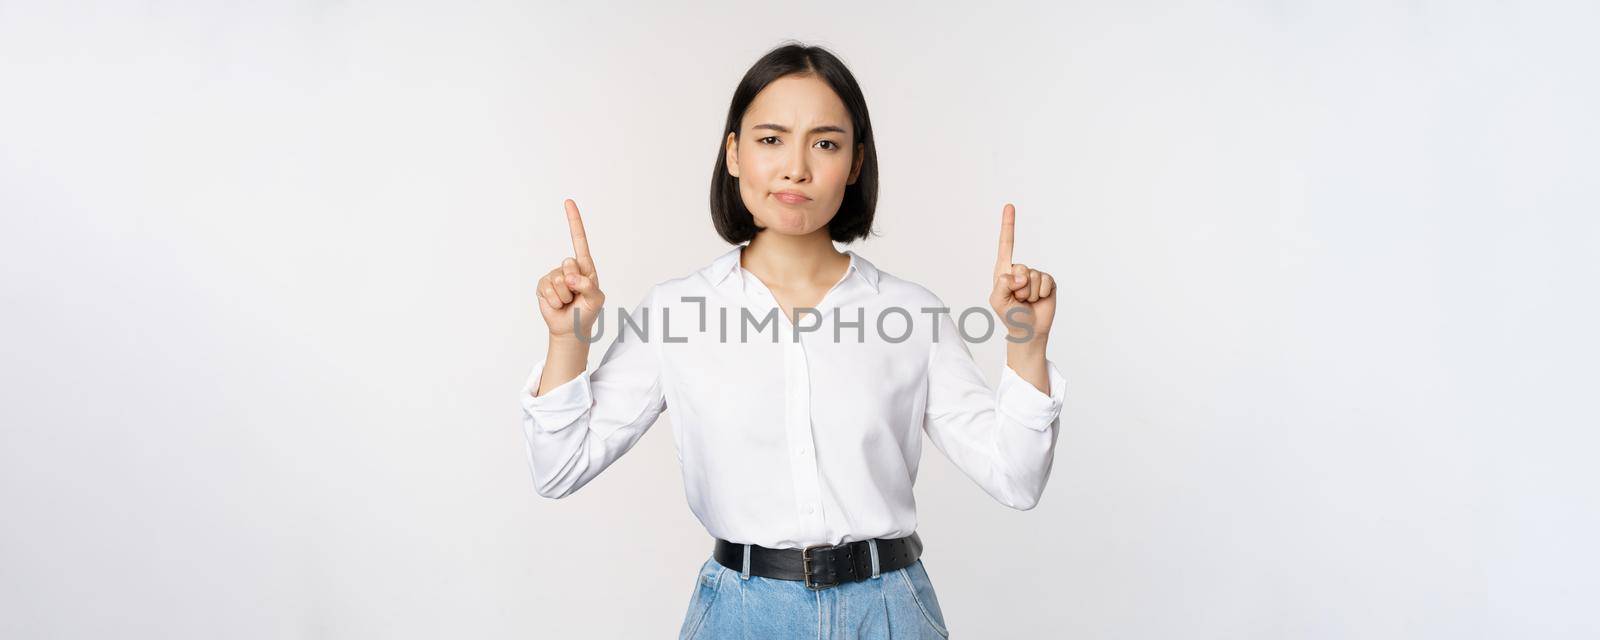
[[802, 450], [810, 509]]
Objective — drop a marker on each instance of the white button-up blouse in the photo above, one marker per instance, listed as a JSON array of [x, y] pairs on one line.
[[787, 436]]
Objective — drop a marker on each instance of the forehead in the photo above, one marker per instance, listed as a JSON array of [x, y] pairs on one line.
[[797, 101]]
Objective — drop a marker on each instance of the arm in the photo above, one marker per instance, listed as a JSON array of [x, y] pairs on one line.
[[580, 426], [1003, 439], [566, 357]]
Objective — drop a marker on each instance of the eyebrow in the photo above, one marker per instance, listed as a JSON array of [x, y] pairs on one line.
[[815, 130]]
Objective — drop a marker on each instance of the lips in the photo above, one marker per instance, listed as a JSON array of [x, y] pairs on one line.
[[790, 197]]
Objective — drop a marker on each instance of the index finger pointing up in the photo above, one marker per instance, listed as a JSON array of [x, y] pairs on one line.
[[580, 240], [1008, 218]]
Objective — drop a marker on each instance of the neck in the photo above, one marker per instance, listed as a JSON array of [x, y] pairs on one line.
[[790, 261]]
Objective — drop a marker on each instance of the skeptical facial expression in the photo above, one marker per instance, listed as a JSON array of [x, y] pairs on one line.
[[794, 155]]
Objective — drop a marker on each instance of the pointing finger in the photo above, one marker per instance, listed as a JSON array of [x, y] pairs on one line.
[[1008, 218], [580, 239]]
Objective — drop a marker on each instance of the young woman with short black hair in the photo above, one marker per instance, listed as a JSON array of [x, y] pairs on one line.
[[798, 452]]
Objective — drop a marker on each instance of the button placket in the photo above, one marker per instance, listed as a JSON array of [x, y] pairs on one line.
[[803, 469], [797, 423]]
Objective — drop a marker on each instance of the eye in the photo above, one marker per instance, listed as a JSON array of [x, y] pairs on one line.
[[830, 142], [764, 140]]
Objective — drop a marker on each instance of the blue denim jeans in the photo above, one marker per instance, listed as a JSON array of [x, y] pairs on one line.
[[728, 604]]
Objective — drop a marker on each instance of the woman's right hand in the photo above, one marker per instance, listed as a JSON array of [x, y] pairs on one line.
[[573, 285]]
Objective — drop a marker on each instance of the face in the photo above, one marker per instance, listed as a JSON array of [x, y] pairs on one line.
[[796, 138]]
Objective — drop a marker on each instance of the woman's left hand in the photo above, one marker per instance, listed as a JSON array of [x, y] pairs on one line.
[[1018, 286]]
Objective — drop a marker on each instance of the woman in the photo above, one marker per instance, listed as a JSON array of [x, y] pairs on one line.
[[799, 449]]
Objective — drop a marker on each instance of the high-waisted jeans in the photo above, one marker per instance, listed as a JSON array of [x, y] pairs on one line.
[[728, 604]]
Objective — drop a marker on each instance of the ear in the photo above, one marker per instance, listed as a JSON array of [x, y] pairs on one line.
[[855, 165], [732, 152]]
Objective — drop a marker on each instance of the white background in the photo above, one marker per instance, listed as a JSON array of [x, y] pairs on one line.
[[1327, 306]]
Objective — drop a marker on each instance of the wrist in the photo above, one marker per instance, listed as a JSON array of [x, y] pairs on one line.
[[568, 343], [1034, 347]]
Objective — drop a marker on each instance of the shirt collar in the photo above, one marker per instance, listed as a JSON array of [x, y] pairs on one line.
[[721, 270]]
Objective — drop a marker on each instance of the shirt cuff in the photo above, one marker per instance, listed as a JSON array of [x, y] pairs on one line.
[[1022, 402], [560, 407]]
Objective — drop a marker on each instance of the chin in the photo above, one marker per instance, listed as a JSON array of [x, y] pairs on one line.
[[788, 223]]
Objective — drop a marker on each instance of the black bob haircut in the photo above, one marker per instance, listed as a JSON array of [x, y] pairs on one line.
[[854, 218]]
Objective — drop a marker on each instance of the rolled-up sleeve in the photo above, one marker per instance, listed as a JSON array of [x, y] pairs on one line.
[[1004, 439], [1022, 402], [559, 408], [577, 429]]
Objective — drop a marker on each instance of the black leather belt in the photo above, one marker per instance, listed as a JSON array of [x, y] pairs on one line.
[[821, 566]]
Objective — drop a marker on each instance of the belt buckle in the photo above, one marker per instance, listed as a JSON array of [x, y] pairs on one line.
[[805, 567]]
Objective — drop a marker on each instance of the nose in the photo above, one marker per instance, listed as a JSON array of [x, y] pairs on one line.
[[798, 169]]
